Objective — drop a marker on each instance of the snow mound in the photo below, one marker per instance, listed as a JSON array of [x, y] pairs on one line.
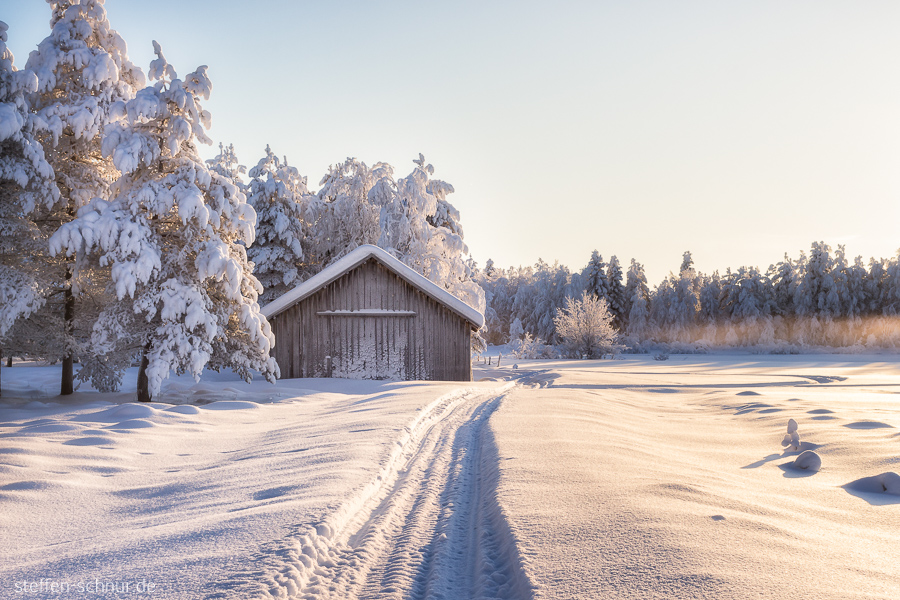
[[131, 424], [23, 486], [868, 425], [122, 412], [231, 405], [184, 409], [89, 441], [808, 461], [35, 404], [886, 483], [54, 427]]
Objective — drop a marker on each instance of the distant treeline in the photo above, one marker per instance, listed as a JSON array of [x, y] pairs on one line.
[[819, 299]]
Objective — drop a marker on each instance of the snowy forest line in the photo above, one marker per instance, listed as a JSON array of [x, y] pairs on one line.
[[816, 300], [120, 244]]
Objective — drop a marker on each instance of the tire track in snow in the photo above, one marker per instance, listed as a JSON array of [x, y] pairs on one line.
[[428, 526]]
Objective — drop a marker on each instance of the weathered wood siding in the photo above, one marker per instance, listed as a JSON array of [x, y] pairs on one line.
[[433, 343]]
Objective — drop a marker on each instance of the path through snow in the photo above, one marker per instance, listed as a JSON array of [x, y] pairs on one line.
[[428, 526]]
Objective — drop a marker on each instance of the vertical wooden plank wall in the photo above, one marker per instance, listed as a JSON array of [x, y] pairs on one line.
[[438, 340]]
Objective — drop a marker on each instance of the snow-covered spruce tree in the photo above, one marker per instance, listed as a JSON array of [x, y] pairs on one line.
[[585, 328], [752, 311], [595, 279], [226, 163], [486, 278], [552, 291], [348, 209], [817, 297], [616, 293], [710, 308], [83, 71], [27, 190], [436, 252], [174, 234], [638, 296], [663, 310], [279, 195]]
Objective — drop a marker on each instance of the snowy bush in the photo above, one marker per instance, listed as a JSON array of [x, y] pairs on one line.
[[526, 347], [585, 328]]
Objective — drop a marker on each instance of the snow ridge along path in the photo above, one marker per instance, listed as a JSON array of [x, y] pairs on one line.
[[427, 526]]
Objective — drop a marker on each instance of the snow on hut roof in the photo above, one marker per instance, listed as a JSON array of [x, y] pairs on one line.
[[356, 258]]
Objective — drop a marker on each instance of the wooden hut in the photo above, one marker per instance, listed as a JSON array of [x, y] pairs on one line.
[[369, 316]]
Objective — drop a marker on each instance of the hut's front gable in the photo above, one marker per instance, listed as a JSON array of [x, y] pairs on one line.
[[369, 323]]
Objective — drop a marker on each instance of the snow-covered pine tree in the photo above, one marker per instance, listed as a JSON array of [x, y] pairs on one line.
[[874, 286], [687, 304], [27, 189], [445, 214], [637, 294], [710, 312], [816, 297], [279, 195], [516, 331], [616, 293], [174, 235], [551, 288], [83, 71], [489, 279], [226, 163], [595, 280], [347, 211], [752, 309], [438, 253], [855, 300], [664, 310]]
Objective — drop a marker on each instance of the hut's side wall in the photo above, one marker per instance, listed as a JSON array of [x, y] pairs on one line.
[[434, 344]]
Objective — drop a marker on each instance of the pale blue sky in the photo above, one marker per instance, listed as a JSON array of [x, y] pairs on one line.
[[736, 130]]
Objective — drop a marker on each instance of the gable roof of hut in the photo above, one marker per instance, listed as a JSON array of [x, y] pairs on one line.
[[355, 258]]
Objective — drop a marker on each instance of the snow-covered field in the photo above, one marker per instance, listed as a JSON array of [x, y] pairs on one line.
[[648, 479], [219, 490], [631, 478]]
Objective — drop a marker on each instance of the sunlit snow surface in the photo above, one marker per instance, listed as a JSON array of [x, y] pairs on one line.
[[220, 488], [630, 478], [647, 479]]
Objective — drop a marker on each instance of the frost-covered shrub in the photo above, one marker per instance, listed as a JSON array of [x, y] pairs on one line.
[[527, 347], [585, 328]]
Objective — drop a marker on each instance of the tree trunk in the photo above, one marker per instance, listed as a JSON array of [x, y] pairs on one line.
[[67, 385], [1, 354], [143, 383]]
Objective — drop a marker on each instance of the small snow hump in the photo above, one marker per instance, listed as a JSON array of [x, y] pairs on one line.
[[808, 461], [886, 483]]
